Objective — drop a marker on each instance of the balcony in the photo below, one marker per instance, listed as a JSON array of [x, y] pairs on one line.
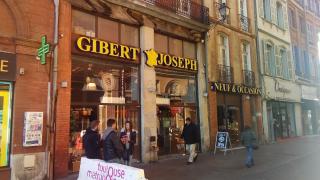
[[249, 78], [225, 74], [185, 8], [244, 23]]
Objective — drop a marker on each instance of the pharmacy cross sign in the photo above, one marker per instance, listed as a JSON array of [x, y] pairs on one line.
[[43, 50]]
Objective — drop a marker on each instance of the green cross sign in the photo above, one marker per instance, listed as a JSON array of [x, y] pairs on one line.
[[43, 50]]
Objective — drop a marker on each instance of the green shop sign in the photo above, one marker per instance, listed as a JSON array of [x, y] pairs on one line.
[[43, 50]]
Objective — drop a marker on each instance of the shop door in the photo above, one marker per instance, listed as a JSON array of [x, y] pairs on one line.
[[171, 121]]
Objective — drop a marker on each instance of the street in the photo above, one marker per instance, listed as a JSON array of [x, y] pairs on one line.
[[293, 159]]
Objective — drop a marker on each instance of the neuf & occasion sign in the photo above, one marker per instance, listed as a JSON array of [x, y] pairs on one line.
[[235, 88]]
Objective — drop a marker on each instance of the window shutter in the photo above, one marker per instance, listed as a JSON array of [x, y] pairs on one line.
[[273, 7], [227, 52], [290, 65], [260, 5], [278, 63], [264, 57], [285, 17], [249, 57]]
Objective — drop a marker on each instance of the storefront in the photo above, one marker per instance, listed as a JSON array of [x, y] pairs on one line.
[[235, 108], [105, 78], [7, 78], [309, 108], [176, 90], [281, 109]]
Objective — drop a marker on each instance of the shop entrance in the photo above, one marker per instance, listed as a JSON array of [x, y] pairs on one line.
[[281, 120], [171, 121]]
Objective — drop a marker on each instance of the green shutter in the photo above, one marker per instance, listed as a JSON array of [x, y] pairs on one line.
[[290, 65]]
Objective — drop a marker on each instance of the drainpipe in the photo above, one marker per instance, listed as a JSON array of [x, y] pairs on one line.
[[259, 63], [52, 99], [206, 42]]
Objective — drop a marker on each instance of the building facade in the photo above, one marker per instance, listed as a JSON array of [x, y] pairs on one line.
[[140, 61], [24, 88], [281, 95], [304, 22], [235, 94]]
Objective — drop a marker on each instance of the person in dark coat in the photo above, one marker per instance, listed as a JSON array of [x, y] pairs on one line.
[[128, 139], [112, 147], [191, 137], [248, 139], [91, 139]]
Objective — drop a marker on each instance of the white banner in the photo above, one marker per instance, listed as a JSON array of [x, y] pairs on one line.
[[100, 170]]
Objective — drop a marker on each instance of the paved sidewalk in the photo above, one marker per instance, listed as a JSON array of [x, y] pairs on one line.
[[293, 159]]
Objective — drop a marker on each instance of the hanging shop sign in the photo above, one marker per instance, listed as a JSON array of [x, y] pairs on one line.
[[43, 50], [159, 59], [7, 66], [234, 88], [100, 47]]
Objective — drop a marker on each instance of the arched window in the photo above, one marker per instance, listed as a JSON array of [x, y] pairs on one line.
[[280, 19]]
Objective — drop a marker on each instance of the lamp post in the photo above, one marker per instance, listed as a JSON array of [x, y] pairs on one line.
[[223, 11]]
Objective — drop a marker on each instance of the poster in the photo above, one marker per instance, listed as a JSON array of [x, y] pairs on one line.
[[99, 169], [33, 126]]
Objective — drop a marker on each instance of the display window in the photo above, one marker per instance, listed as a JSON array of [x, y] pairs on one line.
[[104, 90], [176, 101], [5, 122]]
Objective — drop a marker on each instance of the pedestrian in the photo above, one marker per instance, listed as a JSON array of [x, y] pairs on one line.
[[248, 139], [112, 148], [191, 138], [91, 139], [128, 138]]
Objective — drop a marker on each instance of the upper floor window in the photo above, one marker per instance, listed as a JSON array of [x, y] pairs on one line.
[[280, 19], [246, 57], [296, 57], [267, 10], [292, 18], [269, 59], [224, 50], [243, 8], [310, 33], [83, 23], [302, 24]]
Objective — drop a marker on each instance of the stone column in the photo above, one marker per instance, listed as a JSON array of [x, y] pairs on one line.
[[203, 99], [148, 93]]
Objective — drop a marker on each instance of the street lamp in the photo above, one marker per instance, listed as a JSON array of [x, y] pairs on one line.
[[224, 11]]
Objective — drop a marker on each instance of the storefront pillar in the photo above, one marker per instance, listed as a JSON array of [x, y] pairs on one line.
[[148, 96], [267, 136], [203, 100], [299, 123], [213, 116]]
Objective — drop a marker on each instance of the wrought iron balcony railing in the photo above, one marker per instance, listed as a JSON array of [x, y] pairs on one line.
[[249, 78], [185, 8], [244, 23], [225, 74]]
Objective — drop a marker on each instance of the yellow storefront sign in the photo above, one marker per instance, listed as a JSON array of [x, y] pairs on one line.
[[154, 59], [87, 44]]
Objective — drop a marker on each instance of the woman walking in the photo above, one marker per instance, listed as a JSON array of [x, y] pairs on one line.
[[248, 139]]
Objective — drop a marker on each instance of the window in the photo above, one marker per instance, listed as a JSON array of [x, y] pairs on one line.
[[292, 18], [246, 59], [270, 59], [312, 67], [83, 24], [267, 10], [224, 51], [306, 65], [302, 24], [285, 64], [243, 8], [296, 56], [310, 33], [280, 19]]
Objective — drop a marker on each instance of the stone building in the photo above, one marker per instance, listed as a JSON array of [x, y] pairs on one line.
[[138, 60], [304, 22], [235, 94], [281, 95]]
